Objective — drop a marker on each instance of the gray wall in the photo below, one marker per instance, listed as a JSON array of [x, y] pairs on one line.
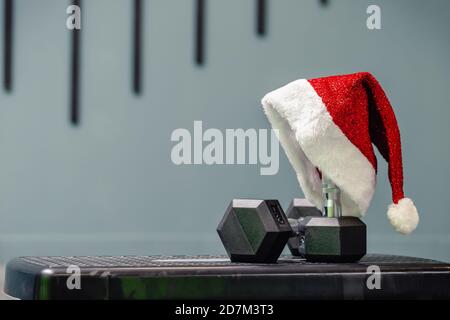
[[109, 187]]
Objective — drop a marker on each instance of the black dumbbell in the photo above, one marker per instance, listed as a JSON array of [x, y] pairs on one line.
[[332, 237], [257, 231], [254, 230]]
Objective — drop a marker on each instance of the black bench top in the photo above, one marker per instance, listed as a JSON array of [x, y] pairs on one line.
[[215, 277]]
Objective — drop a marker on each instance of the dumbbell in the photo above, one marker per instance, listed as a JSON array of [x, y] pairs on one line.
[[258, 230], [332, 237]]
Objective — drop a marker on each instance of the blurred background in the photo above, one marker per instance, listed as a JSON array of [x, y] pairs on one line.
[[108, 186]]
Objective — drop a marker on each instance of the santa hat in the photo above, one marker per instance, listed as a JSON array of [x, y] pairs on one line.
[[327, 126]]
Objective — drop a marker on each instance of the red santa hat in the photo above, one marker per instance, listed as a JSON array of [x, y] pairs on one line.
[[327, 126]]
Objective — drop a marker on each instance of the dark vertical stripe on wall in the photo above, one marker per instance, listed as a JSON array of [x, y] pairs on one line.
[[261, 17], [323, 2], [7, 44], [200, 32], [75, 73], [137, 47]]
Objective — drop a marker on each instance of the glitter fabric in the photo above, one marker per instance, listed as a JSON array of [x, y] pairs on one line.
[[360, 108]]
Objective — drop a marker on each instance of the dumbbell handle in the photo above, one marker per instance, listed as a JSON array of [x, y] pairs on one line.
[[294, 223], [331, 199], [331, 204]]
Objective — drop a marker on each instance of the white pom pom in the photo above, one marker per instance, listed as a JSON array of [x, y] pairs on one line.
[[403, 216]]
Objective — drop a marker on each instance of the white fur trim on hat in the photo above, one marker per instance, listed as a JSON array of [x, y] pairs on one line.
[[403, 216], [312, 140]]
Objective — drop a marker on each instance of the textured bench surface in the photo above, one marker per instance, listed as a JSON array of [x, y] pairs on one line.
[[176, 261]]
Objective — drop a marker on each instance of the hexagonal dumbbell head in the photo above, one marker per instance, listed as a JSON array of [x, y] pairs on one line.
[[254, 230], [300, 208], [332, 239]]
